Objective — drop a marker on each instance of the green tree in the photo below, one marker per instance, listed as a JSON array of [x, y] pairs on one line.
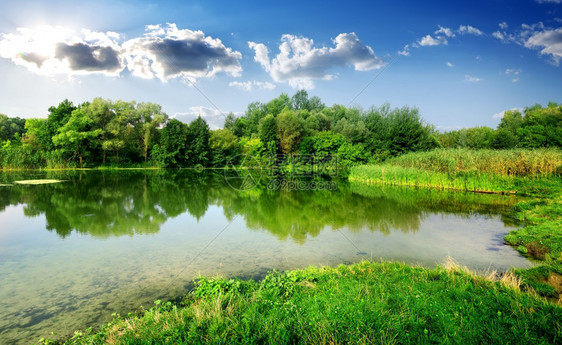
[[268, 133], [504, 139], [290, 131], [58, 117], [224, 146], [76, 135], [173, 142], [11, 126], [37, 134], [151, 117], [511, 121], [198, 142]]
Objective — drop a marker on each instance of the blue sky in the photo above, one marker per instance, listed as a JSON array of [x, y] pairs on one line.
[[460, 62]]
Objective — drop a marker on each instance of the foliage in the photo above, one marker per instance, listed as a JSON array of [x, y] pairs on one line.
[[268, 133], [537, 127], [290, 131], [173, 143], [199, 151], [225, 147]]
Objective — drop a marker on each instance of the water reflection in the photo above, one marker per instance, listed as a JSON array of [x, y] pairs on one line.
[[120, 239], [116, 203]]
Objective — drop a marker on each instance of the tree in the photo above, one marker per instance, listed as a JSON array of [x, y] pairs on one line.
[[173, 142], [268, 133], [151, 117], [289, 131], [37, 134], [76, 135], [198, 142], [224, 145], [58, 117], [504, 139], [229, 121], [511, 121], [11, 126], [277, 105]]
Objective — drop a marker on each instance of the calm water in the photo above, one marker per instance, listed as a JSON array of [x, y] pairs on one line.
[[73, 253]]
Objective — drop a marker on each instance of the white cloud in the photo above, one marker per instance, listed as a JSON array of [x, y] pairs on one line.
[[213, 117], [430, 41], [163, 52], [467, 29], [51, 50], [300, 63], [445, 31], [549, 1], [499, 35], [550, 40], [253, 84], [449, 64], [513, 71], [405, 51], [472, 79], [169, 52], [503, 25]]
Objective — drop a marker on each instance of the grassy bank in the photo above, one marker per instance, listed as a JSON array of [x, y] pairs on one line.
[[511, 171], [362, 303], [535, 174]]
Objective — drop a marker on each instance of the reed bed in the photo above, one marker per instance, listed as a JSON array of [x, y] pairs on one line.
[[489, 171], [516, 162]]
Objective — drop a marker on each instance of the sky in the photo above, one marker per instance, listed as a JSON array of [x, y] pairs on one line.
[[461, 63]]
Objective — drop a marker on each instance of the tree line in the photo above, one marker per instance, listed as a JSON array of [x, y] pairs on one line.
[[535, 127], [118, 133]]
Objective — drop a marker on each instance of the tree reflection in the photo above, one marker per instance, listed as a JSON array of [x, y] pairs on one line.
[[116, 203]]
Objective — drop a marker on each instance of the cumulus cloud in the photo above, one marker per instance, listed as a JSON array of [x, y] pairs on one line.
[[299, 62], [469, 30], [430, 41], [163, 52], [91, 58], [445, 31], [503, 25], [252, 84], [449, 64], [50, 50], [169, 52], [549, 41], [472, 79]]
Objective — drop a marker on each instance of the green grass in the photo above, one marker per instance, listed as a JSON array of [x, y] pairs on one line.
[[365, 303]]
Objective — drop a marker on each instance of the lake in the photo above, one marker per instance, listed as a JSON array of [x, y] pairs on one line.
[[73, 253]]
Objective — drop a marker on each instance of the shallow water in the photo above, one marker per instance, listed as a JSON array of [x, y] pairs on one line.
[[73, 253]]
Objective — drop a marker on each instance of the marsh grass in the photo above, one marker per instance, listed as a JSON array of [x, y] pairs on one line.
[[364, 303], [489, 171], [516, 162]]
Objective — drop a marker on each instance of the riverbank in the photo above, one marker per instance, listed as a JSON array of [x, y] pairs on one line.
[[361, 303], [532, 174]]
